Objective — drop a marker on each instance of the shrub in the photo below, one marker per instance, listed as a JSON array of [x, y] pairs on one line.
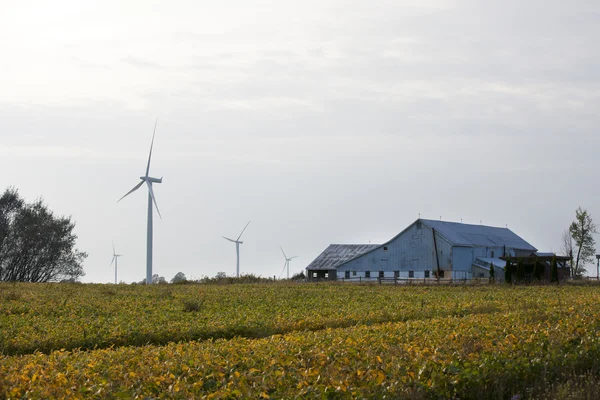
[[190, 305]]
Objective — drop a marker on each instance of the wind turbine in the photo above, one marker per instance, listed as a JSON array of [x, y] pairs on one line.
[[287, 262], [149, 181], [115, 259], [237, 248]]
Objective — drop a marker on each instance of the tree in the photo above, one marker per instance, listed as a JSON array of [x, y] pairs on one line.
[[508, 272], [179, 277], [566, 247], [582, 231], [158, 279], [492, 273], [36, 245], [299, 276], [520, 271], [554, 271], [537, 270]]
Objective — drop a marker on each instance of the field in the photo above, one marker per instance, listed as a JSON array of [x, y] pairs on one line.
[[298, 340]]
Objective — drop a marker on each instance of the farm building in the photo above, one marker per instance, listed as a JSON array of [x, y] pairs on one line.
[[456, 250]]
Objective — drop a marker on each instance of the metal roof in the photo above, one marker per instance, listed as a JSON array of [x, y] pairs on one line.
[[485, 263], [337, 254], [478, 235]]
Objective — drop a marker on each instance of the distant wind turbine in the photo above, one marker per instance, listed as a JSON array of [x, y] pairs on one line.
[[237, 248], [151, 199], [287, 262], [115, 259]]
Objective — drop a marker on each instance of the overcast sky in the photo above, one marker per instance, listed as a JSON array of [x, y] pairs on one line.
[[321, 121]]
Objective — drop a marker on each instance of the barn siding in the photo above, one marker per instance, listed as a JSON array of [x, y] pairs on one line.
[[413, 250]]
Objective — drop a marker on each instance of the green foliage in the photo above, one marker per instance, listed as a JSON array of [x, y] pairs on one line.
[[538, 270], [179, 278], [36, 245], [222, 279], [554, 271], [299, 276], [520, 271], [508, 271], [583, 230], [447, 342], [492, 273]]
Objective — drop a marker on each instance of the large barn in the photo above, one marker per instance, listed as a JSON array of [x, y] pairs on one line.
[[457, 250]]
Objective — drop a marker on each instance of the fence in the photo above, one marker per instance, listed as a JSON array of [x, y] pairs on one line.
[[411, 281]]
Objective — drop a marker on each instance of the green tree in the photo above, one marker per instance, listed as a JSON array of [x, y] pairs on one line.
[[492, 273], [537, 270], [520, 271], [179, 277], [36, 245], [508, 271], [582, 231], [554, 271]]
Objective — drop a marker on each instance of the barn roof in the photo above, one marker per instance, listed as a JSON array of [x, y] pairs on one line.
[[460, 234], [337, 254]]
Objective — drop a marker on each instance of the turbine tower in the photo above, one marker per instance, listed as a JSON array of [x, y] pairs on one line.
[[151, 199], [237, 248], [115, 259], [287, 262]]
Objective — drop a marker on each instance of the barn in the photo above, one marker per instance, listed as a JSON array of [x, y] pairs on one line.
[[456, 250]]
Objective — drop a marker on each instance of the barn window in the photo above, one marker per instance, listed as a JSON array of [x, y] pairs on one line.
[[347, 274], [441, 273], [353, 273], [314, 274], [385, 248], [326, 275], [411, 274], [492, 252], [381, 274], [426, 274], [396, 274], [367, 274], [419, 225]]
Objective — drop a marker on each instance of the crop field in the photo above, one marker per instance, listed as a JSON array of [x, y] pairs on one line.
[[297, 341]]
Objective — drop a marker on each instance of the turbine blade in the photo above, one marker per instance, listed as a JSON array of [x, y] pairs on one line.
[[151, 145], [153, 198], [284, 265], [283, 252], [243, 230], [291, 258], [114, 251], [112, 262], [136, 187], [231, 240]]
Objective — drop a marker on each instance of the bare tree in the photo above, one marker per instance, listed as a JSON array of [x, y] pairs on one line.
[[582, 231], [566, 248]]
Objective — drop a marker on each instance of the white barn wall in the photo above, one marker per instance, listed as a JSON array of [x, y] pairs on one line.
[[411, 250]]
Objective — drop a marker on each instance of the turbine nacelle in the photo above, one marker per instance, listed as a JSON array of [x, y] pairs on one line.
[[150, 179]]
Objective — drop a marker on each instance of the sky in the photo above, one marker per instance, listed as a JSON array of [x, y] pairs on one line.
[[322, 122]]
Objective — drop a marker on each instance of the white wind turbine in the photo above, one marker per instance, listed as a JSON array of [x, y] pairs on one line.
[[237, 248], [149, 181], [115, 259], [287, 263]]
